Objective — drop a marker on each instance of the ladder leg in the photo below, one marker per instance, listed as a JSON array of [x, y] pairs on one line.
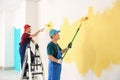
[[24, 65], [29, 64]]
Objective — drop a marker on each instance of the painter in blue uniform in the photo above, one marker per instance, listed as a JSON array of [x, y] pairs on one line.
[[55, 52]]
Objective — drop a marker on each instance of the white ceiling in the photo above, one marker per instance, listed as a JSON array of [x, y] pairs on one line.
[[9, 4]]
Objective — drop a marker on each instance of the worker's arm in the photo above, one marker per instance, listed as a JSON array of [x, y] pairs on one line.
[[69, 46], [32, 41], [50, 57], [36, 33], [64, 50]]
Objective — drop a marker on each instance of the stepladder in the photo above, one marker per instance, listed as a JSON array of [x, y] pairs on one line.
[[32, 65]]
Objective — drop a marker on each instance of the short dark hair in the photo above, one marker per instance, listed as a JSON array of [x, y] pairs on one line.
[[51, 37]]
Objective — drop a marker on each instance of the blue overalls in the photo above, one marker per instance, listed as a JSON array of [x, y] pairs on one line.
[[54, 69], [22, 50]]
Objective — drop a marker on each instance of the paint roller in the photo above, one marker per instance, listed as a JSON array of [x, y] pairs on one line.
[[81, 23]]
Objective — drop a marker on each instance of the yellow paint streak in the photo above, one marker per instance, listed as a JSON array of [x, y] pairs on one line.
[[97, 44]]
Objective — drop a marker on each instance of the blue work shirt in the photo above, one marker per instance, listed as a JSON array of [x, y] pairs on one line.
[[52, 49]]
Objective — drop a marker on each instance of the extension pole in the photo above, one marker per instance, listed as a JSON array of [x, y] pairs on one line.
[[72, 40], [74, 36]]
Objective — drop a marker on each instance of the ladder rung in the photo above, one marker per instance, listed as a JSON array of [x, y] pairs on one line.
[[25, 77], [35, 73], [37, 56], [28, 70], [35, 64]]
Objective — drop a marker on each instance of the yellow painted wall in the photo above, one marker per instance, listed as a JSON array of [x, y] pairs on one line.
[[97, 44]]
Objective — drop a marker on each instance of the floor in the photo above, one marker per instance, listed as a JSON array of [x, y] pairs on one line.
[[9, 75], [13, 75]]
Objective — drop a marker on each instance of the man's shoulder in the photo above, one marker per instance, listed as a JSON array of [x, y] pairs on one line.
[[25, 35], [50, 44]]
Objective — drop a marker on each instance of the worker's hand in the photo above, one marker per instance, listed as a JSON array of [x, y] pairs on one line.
[[59, 61], [36, 46], [41, 30], [69, 45]]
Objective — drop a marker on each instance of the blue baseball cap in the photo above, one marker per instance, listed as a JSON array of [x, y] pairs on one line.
[[53, 31]]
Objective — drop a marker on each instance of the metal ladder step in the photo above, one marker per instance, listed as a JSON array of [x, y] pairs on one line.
[[35, 64], [36, 56], [36, 73], [28, 70], [26, 77]]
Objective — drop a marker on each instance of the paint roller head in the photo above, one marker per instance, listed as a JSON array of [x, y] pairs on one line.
[[48, 25], [42, 29], [84, 18]]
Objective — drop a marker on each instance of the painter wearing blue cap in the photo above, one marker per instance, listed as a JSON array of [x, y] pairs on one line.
[[53, 31], [54, 53]]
